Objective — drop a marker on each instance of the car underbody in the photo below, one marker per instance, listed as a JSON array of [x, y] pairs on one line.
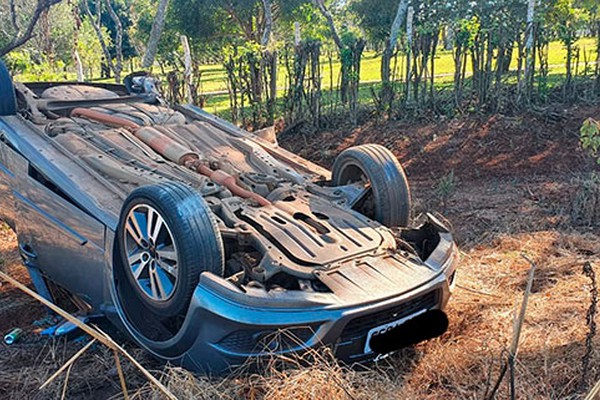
[[299, 252]]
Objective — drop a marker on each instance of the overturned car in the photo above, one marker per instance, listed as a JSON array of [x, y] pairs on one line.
[[201, 241]]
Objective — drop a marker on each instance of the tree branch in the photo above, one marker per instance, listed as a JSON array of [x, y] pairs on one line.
[[155, 34], [268, 23], [13, 17], [327, 14], [18, 41], [245, 27], [98, 30], [119, 45]]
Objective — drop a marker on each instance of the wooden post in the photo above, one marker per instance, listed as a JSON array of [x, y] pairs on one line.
[[80, 76], [528, 78], [187, 79], [297, 35], [409, 37]]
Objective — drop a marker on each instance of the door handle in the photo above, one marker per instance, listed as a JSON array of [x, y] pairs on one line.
[[27, 252]]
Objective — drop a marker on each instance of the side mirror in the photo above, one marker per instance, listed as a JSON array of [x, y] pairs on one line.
[[142, 84]]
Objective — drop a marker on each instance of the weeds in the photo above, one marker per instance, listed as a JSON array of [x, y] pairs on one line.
[[445, 189], [588, 270], [585, 209]]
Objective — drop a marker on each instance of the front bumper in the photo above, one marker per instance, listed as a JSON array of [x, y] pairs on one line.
[[224, 326]]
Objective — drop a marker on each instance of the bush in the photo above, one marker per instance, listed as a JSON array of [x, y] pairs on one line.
[[590, 138], [585, 208]]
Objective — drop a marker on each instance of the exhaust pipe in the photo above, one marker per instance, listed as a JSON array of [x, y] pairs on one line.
[[172, 151]]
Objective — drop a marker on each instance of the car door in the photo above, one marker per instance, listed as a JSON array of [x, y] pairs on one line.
[[54, 233], [9, 162]]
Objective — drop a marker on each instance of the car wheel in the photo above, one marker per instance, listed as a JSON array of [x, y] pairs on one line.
[[387, 195], [167, 237], [8, 103]]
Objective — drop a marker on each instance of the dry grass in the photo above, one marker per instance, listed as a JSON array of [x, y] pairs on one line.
[[586, 205], [463, 363]]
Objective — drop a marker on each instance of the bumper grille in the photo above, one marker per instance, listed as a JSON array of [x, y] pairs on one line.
[[259, 341], [359, 327]]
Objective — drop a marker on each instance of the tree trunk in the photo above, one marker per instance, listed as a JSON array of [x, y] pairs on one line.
[[529, 60], [155, 34], [598, 57], [336, 38], [98, 29], [118, 66], [79, 66], [409, 38], [188, 69], [266, 37], [390, 45]]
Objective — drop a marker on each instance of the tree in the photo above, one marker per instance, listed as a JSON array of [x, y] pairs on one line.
[[88, 44], [567, 21], [96, 21], [593, 8], [390, 43], [155, 34], [350, 48], [21, 24]]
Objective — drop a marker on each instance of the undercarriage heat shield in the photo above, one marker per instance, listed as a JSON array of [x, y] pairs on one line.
[[314, 233]]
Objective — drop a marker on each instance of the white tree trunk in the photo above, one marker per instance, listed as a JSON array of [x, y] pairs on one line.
[[400, 14], [529, 47], [297, 34], [268, 23], [187, 60], [409, 39], [79, 66], [155, 34], [393, 39]]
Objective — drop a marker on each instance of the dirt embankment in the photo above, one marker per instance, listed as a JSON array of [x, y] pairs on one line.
[[510, 192], [474, 147]]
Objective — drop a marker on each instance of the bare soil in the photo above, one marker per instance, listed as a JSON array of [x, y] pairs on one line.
[[510, 193]]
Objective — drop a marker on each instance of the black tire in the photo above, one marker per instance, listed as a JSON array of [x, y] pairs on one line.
[[390, 201], [8, 102], [196, 241]]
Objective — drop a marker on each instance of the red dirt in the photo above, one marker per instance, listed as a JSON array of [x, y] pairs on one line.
[[473, 147]]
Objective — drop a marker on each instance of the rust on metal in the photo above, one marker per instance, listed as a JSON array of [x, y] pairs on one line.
[[172, 151], [104, 118], [164, 145]]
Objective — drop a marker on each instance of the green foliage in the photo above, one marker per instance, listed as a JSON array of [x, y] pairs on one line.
[[567, 21], [466, 31], [312, 23], [62, 31], [375, 17], [88, 47], [122, 9], [21, 62], [590, 138], [18, 61], [446, 187]]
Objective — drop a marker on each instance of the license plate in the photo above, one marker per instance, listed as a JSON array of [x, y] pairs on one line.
[[381, 329]]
